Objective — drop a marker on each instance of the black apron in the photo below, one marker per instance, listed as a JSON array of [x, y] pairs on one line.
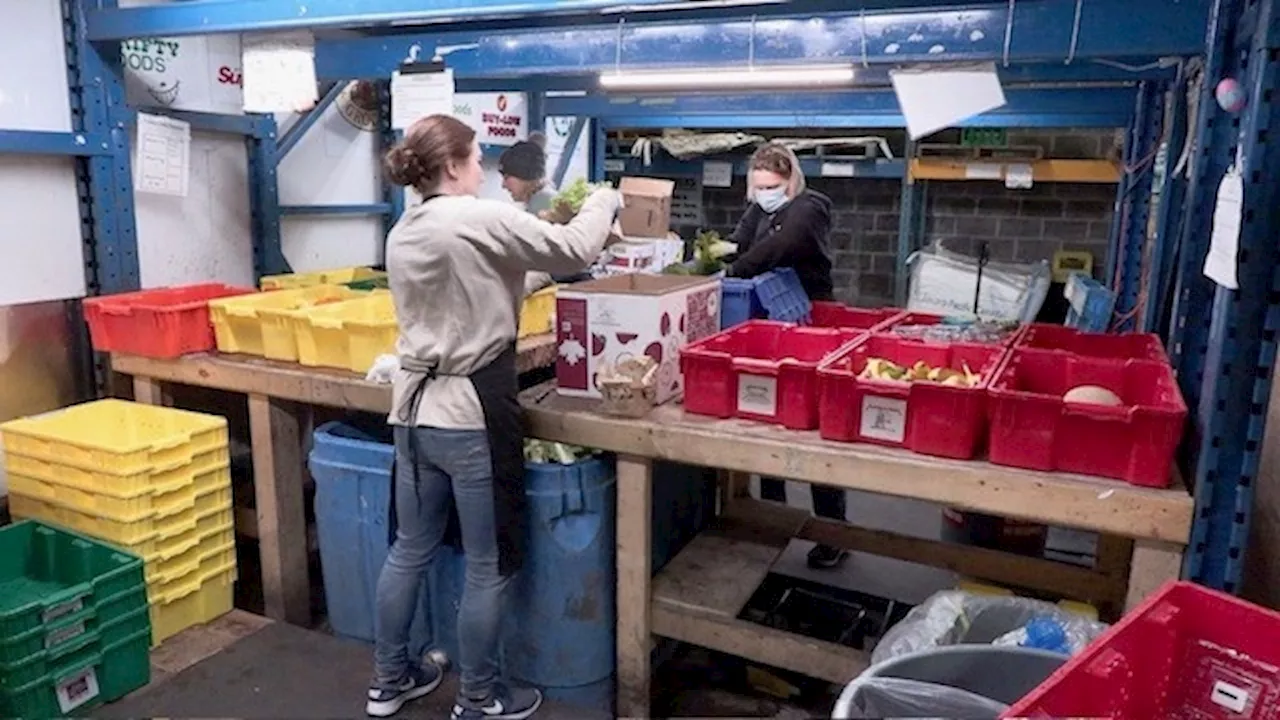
[[497, 385]]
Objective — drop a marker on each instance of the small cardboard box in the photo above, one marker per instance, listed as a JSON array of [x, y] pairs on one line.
[[606, 320], [646, 211]]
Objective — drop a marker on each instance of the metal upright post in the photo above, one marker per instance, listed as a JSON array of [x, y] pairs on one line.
[[104, 182], [1135, 207], [264, 200], [1243, 323], [388, 137], [1170, 217]]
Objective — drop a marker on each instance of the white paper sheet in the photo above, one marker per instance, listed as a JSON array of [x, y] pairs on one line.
[[717, 174], [983, 171], [935, 99], [162, 157], [836, 169], [1224, 243], [280, 72], [417, 95], [1019, 176]]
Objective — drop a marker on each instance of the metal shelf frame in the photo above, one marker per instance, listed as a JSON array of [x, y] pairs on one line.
[[1222, 341]]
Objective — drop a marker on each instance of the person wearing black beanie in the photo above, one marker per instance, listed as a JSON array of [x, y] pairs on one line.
[[524, 170]]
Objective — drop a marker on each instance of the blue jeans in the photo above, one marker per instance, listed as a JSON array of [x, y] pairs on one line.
[[453, 467]]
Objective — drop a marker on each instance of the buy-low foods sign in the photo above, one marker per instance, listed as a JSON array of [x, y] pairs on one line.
[[497, 118]]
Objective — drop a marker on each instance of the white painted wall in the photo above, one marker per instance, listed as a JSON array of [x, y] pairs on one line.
[[39, 210]]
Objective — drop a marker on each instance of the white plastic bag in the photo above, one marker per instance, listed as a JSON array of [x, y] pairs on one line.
[[888, 697], [943, 281]]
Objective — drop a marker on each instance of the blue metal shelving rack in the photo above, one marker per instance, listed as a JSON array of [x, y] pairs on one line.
[[1223, 342]]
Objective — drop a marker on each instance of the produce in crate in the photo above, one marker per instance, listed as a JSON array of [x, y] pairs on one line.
[[958, 331], [545, 451], [881, 369], [708, 253], [1092, 395]]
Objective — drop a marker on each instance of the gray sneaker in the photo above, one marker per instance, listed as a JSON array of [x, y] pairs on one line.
[[503, 703], [386, 699]]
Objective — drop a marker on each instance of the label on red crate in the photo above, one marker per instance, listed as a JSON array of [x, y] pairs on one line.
[[77, 689], [884, 418], [758, 395], [1233, 698], [63, 634]]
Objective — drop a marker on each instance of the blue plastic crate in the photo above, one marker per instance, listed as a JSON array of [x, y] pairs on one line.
[[738, 302], [1090, 303], [782, 297]]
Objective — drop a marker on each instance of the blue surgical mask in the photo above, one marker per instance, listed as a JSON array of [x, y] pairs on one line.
[[771, 200]]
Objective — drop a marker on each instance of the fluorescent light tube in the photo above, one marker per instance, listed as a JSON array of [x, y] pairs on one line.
[[711, 78]]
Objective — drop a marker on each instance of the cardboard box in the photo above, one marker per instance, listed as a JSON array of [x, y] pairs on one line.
[[605, 320], [646, 211], [634, 255]]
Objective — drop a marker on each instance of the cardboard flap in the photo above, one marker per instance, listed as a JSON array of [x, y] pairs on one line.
[[646, 208]]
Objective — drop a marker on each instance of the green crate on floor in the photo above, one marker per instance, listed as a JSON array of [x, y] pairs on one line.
[[83, 680], [52, 578]]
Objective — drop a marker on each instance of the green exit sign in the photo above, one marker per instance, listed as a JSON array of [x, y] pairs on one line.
[[984, 137]]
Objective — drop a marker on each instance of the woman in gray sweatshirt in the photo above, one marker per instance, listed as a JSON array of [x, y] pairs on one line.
[[457, 266]]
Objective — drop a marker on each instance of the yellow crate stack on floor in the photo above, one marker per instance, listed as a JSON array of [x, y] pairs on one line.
[[153, 481]]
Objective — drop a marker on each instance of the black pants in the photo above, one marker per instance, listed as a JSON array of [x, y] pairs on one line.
[[828, 502]]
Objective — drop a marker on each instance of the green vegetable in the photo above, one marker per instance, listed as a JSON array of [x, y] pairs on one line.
[[544, 451], [571, 198]]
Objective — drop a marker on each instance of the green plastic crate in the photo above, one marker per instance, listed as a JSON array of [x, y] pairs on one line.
[[52, 578], [378, 283], [40, 664], [84, 680]]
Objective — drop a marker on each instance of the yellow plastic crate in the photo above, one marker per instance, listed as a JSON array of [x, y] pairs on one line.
[[259, 324], [348, 335], [211, 481], [210, 550], [339, 276], [162, 501], [193, 600], [120, 438], [538, 314], [100, 483], [139, 537]]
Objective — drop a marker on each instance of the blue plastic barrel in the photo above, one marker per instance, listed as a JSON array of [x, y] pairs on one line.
[[563, 602], [352, 470]]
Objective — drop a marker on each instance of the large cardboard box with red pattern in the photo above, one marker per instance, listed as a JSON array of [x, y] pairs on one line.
[[603, 321]]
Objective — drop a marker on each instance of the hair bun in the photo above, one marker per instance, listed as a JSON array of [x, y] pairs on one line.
[[404, 167], [538, 139]]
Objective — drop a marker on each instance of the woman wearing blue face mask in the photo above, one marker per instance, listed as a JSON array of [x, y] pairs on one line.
[[787, 225]]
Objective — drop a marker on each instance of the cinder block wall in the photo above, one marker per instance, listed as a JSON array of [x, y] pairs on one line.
[[1021, 225]]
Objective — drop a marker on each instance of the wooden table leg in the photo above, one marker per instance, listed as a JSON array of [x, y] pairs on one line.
[[1154, 564], [151, 392], [274, 427], [635, 598]]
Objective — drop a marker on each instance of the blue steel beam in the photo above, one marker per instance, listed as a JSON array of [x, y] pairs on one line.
[[369, 209], [1042, 32], [248, 125], [1102, 29], [1170, 215], [34, 142], [1244, 325], [672, 167], [309, 118], [1134, 203], [1064, 107]]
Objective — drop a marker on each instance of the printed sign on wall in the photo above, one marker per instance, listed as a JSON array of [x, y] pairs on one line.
[[497, 118], [184, 73]]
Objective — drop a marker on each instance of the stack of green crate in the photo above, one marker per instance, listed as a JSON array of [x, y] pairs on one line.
[[74, 627], [153, 481]]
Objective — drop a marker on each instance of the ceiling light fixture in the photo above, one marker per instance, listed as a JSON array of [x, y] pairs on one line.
[[778, 76]]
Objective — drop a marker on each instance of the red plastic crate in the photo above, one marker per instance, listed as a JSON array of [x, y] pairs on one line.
[[1186, 653], [839, 315], [1125, 346], [1031, 426], [926, 417], [161, 323], [760, 370]]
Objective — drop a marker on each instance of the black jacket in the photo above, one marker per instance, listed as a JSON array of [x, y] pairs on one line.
[[796, 237]]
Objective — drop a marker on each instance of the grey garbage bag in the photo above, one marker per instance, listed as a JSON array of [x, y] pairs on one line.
[[883, 697]]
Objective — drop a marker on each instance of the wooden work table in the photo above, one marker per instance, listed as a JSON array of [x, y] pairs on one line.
[[699, 595], [279, 396]]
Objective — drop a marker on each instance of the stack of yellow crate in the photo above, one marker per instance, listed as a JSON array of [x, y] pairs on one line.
[[153, 481]]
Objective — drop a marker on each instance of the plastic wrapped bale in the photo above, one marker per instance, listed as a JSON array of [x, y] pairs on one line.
[[977, 682], [943, 281], [954, 617]]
